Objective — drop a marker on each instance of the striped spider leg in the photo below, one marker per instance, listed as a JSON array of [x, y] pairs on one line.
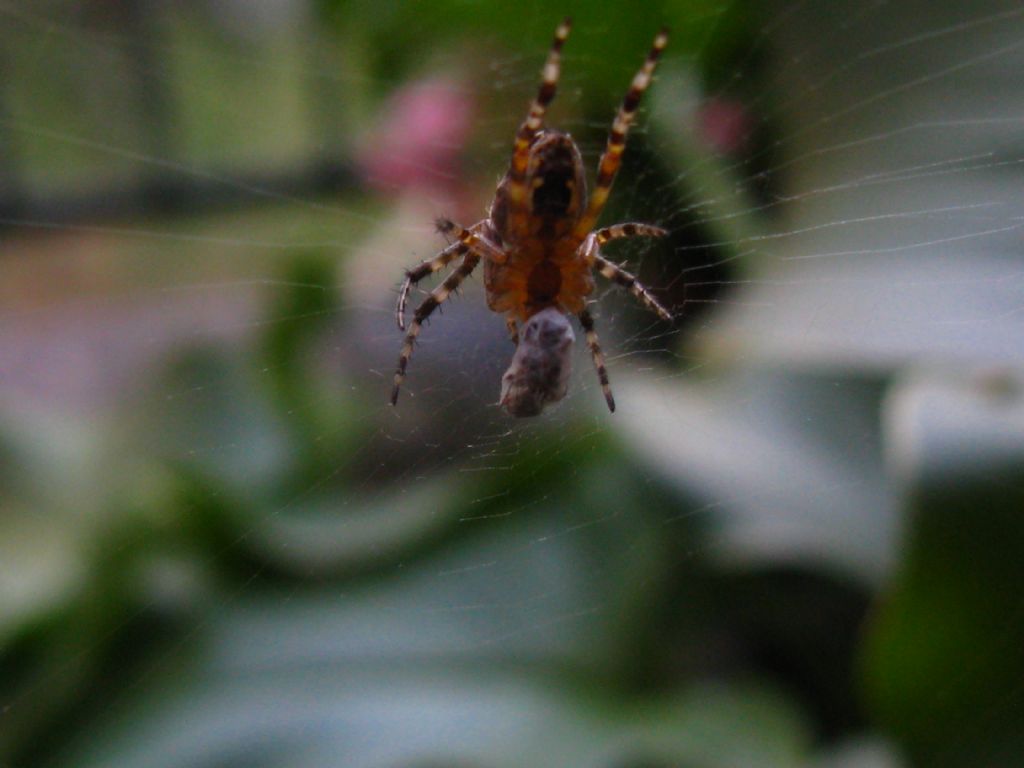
[[611, 159], [471, 245], [465, 240], [517, 188], [608, 167], [590, 250]]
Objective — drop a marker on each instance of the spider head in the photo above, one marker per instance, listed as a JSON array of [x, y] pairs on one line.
[[556, 183]]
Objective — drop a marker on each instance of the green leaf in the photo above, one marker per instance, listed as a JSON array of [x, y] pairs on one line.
[[944, 658]]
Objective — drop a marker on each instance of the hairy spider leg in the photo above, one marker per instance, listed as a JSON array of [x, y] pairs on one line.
[[436, 298], [424, 269], [612, 157], [595, 352], [473, 239], [517, 188], [590, 250], [628, 281], [630, 229]]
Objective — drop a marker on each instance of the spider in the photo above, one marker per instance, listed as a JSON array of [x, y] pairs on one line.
[[538, 242]]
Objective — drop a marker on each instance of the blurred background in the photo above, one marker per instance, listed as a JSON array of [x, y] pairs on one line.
[[798, 542]]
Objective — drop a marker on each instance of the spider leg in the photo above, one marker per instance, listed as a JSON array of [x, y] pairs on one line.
[[591, 251], [474, 240], [513, 330], [468, 240], [595, 352], [612, 157], [436, 298], [619, 231], [628, 281], [425, 269], [517, 191]]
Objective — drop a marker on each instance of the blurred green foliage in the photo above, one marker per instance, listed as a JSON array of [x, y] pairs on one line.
[[944, 657], [395, 34], [246, 562]]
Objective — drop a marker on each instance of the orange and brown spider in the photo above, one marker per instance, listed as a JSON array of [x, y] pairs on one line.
[[538, 241]]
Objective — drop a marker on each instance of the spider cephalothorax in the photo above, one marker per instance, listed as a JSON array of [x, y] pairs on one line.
[[538, 242]]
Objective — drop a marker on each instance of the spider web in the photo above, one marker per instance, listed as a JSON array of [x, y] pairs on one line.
[[842, 187]]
